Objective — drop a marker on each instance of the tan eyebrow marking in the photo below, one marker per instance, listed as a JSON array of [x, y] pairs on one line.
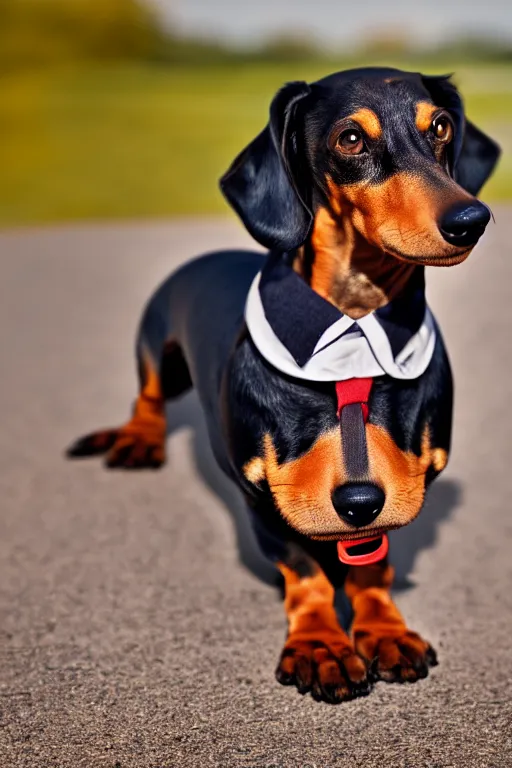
[[368, 121], [424, 113]]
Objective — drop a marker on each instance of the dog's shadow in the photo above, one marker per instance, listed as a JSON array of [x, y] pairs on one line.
[[406, 544]]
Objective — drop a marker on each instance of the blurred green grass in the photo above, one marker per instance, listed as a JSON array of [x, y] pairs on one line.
[[116, 140]]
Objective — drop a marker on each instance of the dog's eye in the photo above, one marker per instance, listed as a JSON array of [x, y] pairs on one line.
[[442, 129], [350, 142]]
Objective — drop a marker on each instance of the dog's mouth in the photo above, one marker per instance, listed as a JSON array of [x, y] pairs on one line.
[[365, 551], [433, 260]]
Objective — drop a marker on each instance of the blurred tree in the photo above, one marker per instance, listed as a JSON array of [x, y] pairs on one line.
[[39, 32], [293, 47], [471, 47], [387, 41]]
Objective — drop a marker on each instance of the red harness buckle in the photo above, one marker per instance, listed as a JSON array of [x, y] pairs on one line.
[[354, 391]]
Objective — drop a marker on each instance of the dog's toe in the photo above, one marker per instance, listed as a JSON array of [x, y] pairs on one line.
[[94, 444], [132, 452]]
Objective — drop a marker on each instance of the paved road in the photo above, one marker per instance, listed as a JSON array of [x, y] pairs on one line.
[[139, 626]]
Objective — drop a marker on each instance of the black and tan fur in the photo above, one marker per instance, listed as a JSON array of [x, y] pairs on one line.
[[351, 178]]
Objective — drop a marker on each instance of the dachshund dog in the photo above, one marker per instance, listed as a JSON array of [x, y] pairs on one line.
[[321, 371]]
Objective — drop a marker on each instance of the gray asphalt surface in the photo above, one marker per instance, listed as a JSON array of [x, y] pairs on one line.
[[138, 624]]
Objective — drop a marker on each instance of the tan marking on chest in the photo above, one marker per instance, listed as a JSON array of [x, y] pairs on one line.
[[439, 459], [354, 276], [254, 470]]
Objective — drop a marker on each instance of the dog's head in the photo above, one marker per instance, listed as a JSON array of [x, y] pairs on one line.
[[389, 151]]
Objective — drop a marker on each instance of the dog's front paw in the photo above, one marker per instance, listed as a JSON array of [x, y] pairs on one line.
[[395, 658], [327, 667]]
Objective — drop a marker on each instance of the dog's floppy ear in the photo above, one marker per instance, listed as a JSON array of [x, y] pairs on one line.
[[263, 182], [474, 154], [478, 157]]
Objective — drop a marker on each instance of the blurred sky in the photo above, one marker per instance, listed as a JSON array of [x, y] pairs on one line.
[[338, 21]]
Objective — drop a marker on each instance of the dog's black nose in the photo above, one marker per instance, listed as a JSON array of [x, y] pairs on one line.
[[358, 503], [464, 224]]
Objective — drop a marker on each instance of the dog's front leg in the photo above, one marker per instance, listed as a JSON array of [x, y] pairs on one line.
[[317, 656], [395, 653]]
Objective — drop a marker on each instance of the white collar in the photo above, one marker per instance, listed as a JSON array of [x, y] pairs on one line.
[[346, 349]]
